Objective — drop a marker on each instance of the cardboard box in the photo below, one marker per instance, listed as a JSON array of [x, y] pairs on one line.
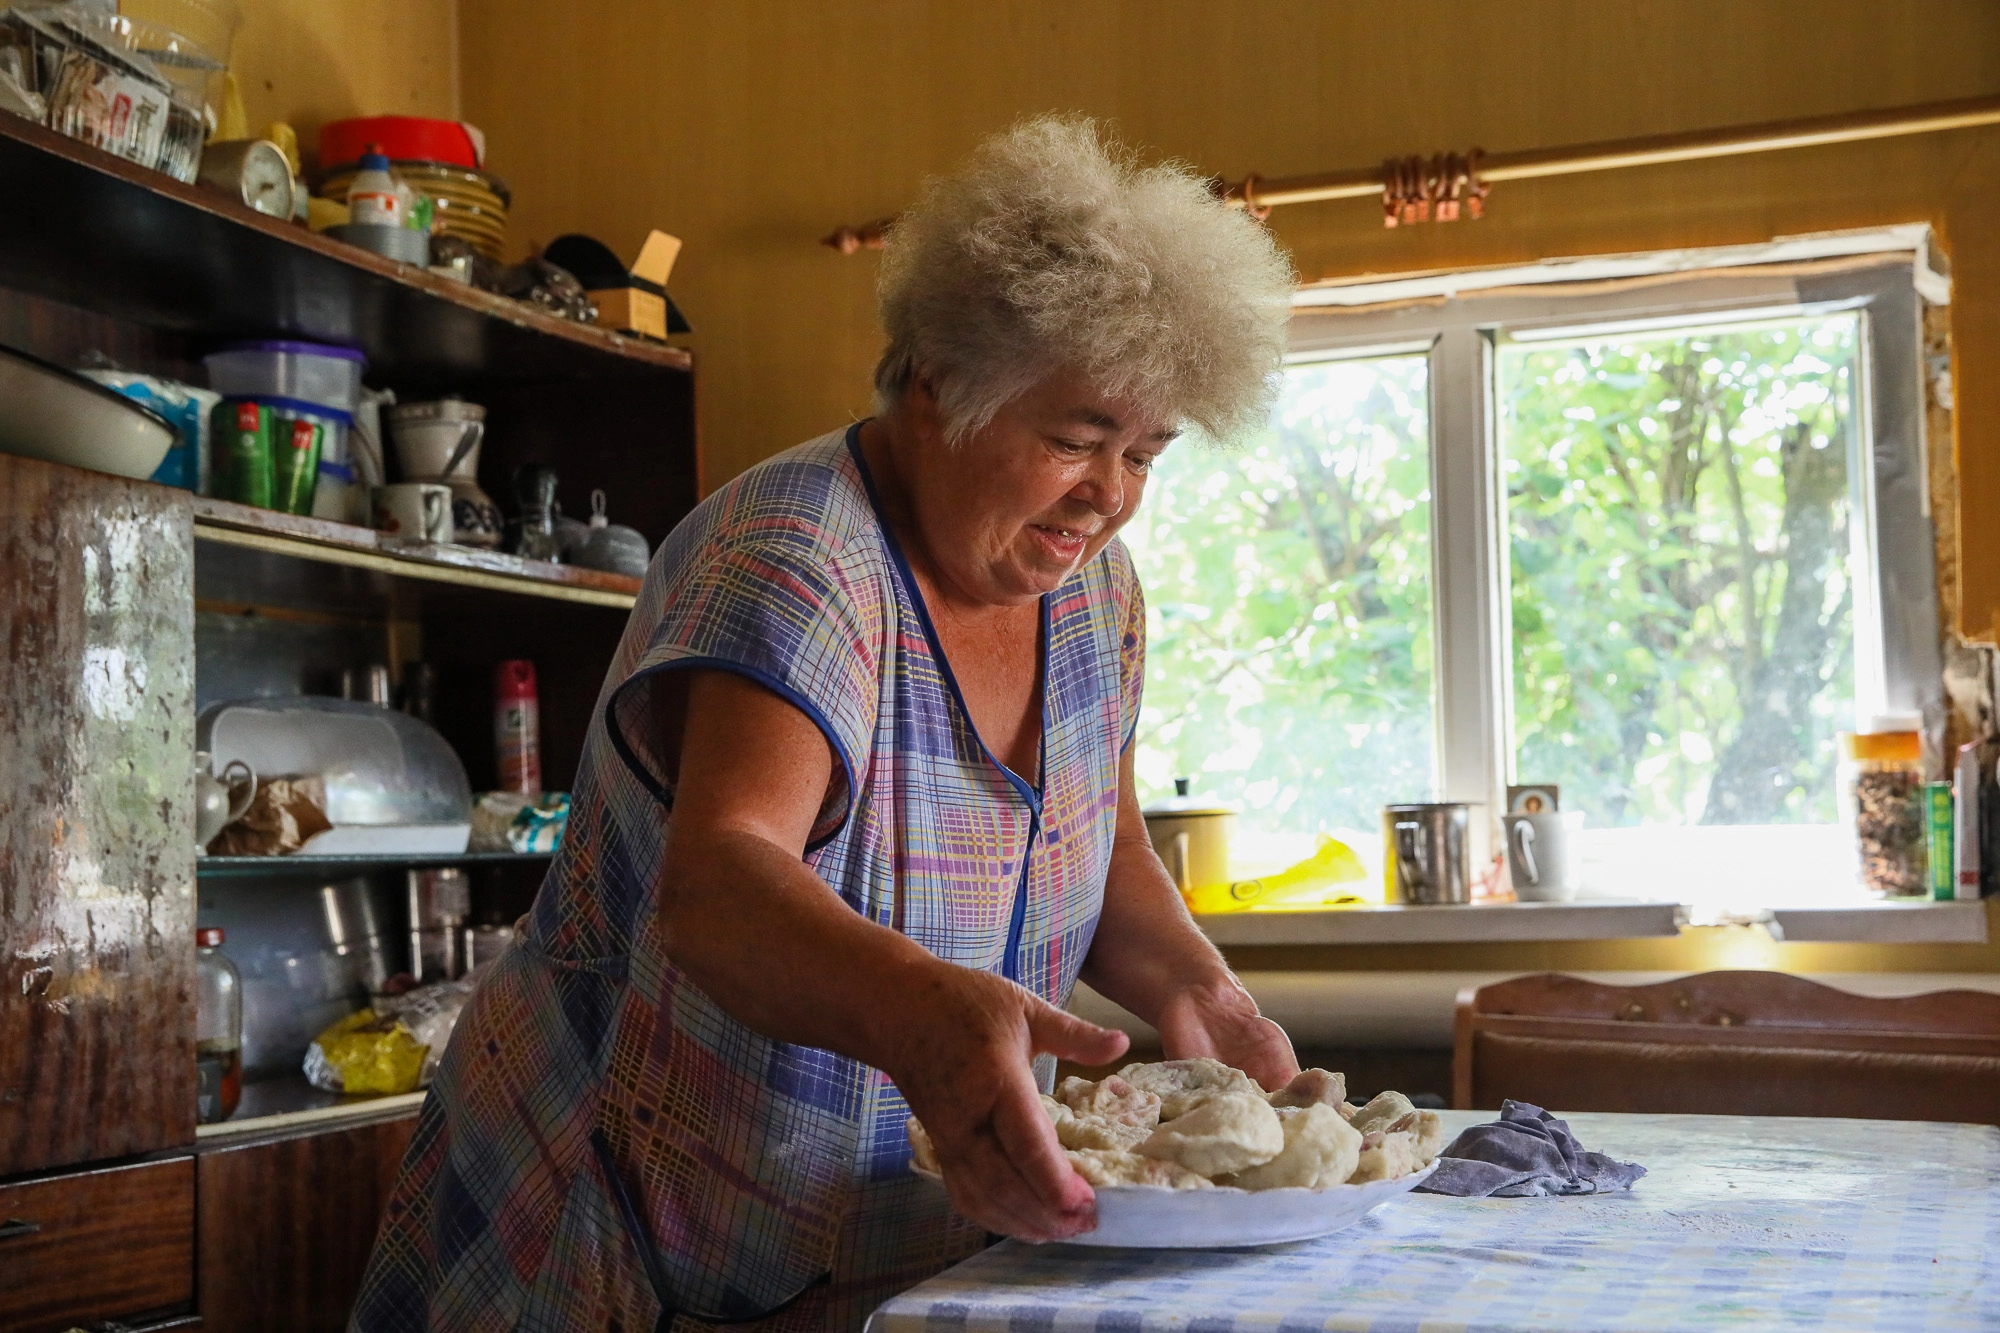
[[629, 299]]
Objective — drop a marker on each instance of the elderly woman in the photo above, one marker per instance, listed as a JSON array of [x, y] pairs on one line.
[[858, 808]]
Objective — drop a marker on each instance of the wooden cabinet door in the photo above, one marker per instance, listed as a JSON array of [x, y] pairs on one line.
[[286, 1227], [96, 817]]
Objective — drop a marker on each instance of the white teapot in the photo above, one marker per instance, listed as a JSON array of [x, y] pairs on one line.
[[216, 800]]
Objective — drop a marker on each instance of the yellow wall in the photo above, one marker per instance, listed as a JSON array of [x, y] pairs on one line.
[[310, 61], [751, 129]]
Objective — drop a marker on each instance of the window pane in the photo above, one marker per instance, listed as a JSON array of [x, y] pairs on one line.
[[1678, 513], [1289, 606]]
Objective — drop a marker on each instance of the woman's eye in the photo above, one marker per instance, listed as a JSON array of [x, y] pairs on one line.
[[1138, 464]]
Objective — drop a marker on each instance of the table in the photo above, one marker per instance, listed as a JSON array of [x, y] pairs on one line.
[[1743, 1223]]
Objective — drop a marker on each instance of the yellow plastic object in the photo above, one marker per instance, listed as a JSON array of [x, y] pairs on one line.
[[324, 213], [373, 1054], [231, 120], [1310, 883]]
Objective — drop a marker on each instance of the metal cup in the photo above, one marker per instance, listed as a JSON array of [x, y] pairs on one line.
[[1424, 853]]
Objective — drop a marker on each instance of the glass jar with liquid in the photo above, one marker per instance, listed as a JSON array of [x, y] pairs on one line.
[[218, 1029]]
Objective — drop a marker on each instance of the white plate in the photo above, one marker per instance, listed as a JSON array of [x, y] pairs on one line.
[[1154, 1218]]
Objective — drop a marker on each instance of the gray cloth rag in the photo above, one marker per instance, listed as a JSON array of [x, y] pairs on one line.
[[1525, 1152]]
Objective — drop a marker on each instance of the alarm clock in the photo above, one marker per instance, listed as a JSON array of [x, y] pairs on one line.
[[252, 171]]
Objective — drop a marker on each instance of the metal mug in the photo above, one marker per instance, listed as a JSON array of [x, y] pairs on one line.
[[1538, 858], [1424, 853]]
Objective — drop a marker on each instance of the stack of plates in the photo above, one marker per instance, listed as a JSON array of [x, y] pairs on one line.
[[469, 204]]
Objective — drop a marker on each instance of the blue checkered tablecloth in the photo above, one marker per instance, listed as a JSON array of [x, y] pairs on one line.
[[1743, 1223]]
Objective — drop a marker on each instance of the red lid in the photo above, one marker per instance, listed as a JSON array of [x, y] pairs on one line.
[[208, 937], [514, 679], [402, 138]]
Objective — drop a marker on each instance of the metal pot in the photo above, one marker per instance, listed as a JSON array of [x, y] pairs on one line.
[[1192, 834]]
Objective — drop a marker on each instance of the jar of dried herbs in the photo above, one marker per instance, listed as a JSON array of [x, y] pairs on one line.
[[1881, 790]]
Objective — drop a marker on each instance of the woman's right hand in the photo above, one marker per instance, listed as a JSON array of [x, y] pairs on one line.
[[961, 1052]]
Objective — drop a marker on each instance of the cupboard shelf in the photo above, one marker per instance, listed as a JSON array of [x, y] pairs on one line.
[[107, 235], [231, 524], [233, 867]]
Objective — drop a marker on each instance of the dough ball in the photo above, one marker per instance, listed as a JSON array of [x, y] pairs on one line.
[[1182, 1085], [1321, 1149], [1386, 1156], [1392, 1113], [1095, 1132], [1226, 1133], [922, 1147], [1312, 1087], [1385, 1109], [1113, 1099], [1104, 1167], [1055, 1110]]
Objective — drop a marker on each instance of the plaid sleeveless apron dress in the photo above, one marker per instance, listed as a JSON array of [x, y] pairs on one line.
[[604, 1147]]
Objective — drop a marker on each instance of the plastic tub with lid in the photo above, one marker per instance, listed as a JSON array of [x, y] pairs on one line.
[[309, 372]]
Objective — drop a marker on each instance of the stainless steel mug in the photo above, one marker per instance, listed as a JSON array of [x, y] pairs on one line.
[[1424, 853]]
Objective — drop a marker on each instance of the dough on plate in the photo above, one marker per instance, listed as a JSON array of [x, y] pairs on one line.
[[1055, 1110], [1321, 1149], [1084, 1132], [1101, 1167], [1113, 1099], [1226, 1133], [1386, 1156], [1182, 1085], [1312, 1087], [1378, 1113], [1391, 1112]]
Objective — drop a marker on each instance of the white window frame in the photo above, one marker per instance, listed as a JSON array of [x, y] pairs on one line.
[[1882, 274]]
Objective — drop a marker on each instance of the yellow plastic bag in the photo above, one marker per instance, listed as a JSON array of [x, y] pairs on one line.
[[366, 1053], [1310, 883]]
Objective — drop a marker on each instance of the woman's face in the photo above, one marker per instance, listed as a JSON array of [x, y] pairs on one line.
[[1022, 503]]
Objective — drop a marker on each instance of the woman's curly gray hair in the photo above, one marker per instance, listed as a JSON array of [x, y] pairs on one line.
[[1054, 250]]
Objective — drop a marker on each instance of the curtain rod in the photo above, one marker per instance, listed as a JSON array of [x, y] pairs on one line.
[[1468, 176]]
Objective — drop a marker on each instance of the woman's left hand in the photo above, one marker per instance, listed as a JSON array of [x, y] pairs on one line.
[[1220, 1020]]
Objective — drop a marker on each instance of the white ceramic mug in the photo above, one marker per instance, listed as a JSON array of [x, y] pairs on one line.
[[417, 511], [1538, 858]]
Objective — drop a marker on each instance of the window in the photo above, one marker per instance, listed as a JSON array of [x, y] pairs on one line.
[[1289, 595], [1653, 538]]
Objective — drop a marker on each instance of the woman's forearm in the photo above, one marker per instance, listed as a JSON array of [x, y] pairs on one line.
[[1147, 948]]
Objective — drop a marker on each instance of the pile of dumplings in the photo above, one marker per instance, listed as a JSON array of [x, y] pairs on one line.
[[1198, 1124]]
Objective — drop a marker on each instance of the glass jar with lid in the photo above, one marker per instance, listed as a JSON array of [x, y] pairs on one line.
[[1880, 785], [218, 1029]]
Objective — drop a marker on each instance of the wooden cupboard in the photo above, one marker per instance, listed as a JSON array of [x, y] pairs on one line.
[[126, 605]]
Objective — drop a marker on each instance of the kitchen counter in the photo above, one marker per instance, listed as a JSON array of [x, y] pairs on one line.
[[1743, 1222]]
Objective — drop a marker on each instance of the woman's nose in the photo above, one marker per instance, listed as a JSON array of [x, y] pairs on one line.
[[1103, 487]]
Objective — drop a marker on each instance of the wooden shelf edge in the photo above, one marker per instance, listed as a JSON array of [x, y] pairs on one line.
[[231, 524], [485, 303]]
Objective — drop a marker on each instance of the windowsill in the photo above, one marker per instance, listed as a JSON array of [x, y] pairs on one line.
[[1584, 919], [1594, 919], [1916, 922]]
